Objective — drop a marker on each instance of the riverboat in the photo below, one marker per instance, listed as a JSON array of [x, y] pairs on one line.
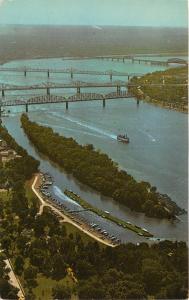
[[123, 138]]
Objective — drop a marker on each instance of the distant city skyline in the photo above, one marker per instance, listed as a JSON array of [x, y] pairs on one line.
[[156, 13]]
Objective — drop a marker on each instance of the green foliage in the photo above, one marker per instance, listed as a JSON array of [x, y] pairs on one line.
[[7, 291], [61, 291], [173, 96]]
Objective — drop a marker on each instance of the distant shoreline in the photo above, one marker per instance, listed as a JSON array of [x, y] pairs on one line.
[[34, 57]]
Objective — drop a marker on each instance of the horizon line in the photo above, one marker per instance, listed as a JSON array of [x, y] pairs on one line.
[[94, 25]]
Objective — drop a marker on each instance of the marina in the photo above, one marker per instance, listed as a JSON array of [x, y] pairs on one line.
[[47, 197]]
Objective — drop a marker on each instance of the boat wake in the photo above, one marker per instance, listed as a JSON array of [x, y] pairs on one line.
[[149, 135], [88, 126], [69, 129], [57, 191]]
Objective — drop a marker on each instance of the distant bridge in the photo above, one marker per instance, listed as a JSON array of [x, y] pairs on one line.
[[50, 99], [177, 61], [70, 71], [133, 58]]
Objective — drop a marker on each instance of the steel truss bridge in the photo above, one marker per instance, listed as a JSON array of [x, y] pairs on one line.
[[50, 99]]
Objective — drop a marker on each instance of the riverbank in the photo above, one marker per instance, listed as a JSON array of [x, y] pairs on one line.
[[167, 89], [127, 225], [164, 105], [63, 216]]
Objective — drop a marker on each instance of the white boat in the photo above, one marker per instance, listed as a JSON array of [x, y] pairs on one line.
[[123, 138]]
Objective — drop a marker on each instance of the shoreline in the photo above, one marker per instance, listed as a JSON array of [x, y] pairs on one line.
[[165, 106]]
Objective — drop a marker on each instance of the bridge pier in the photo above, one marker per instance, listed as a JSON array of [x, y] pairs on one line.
[[104, 102], [26, 107], [78, 90], [66, 105], [111, 76], [123, 59], [118, 89], [128, 77], [71, 74], [48, 91], [48, 73], [25, 73], [3, 93], [137, 102]]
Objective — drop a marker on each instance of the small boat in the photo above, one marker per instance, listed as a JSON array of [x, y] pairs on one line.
[[123, 138]]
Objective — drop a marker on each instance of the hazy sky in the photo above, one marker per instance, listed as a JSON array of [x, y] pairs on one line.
[[171, 13]]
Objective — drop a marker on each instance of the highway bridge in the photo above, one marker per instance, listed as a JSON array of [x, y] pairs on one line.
[[78, 85], [73, 84], [70, 71]]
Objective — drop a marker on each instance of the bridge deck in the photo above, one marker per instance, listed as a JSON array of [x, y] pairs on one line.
[[80, 84], [67, 71], [60, 99], [73, 84]]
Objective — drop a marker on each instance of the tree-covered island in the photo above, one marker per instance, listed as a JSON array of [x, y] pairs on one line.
[[167, 88], [98, 171]]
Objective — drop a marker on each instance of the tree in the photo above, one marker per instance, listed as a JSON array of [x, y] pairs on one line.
[[19, 265], [152, 273], [62, 292], [7, 291], [91, 289]]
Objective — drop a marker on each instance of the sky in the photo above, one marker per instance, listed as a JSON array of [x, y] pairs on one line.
[[161, 13]]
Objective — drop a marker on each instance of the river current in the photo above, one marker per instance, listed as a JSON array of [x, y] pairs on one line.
[[157, 152]]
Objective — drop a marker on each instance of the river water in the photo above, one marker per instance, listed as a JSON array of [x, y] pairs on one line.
[[157, 152]]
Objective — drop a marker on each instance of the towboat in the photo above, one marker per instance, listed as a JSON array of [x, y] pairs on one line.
[[123, 138]]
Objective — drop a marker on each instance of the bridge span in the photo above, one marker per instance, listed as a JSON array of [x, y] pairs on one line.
[[78, 85], [70, 71], [134, 58], [50, 99], [73, 84]]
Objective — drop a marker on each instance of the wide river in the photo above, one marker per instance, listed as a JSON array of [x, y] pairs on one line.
[[158, 141]]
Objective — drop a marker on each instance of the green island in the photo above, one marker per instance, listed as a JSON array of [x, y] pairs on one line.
[[101, 213], [45, 254], [171, 91], [98, 171]]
